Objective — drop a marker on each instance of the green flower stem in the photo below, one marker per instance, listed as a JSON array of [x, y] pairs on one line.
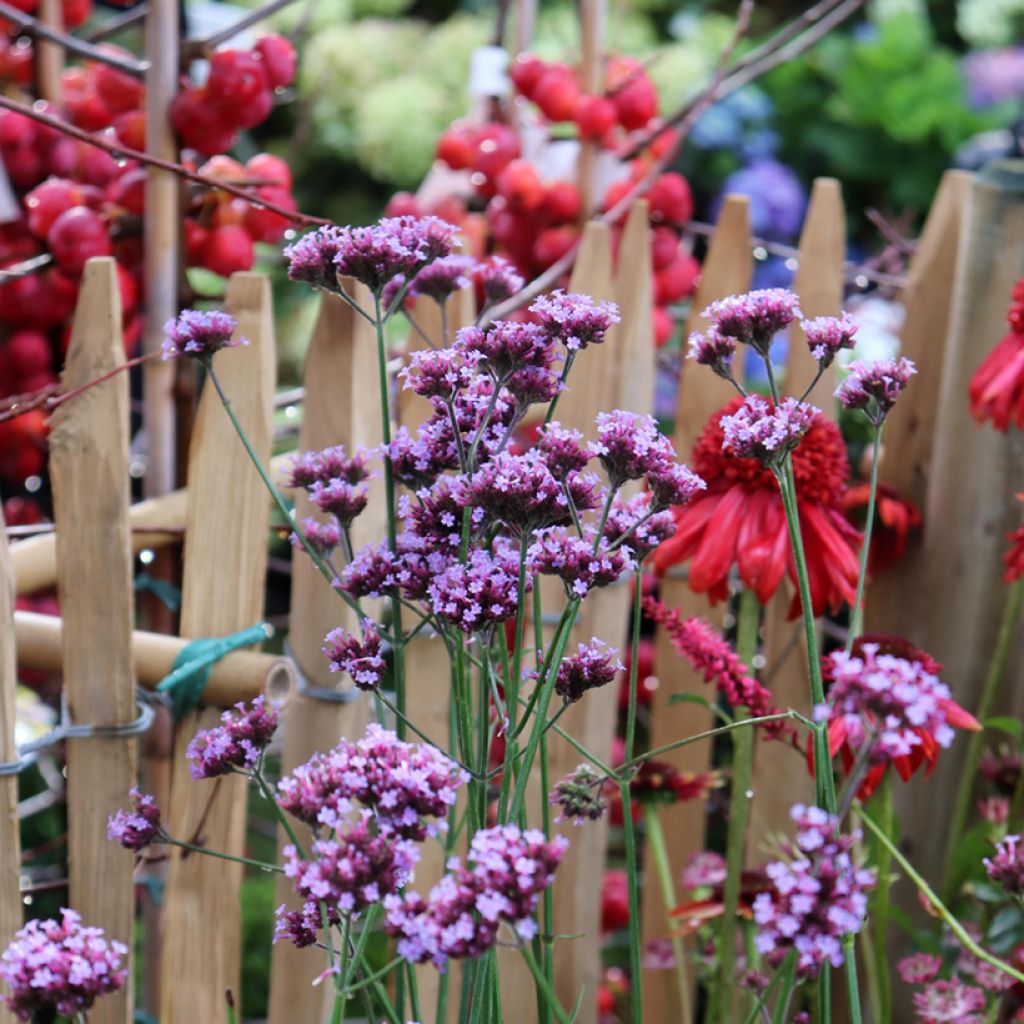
[[879, 903], [512, 685], [398, 645], [748, 621], [990, 690], [857, 614], [940, 908], [351, 990], [340, 999], [206, 852], [659, 851], [570, 357], [544, 985], [632, 869], [548, 898], [483, 730]]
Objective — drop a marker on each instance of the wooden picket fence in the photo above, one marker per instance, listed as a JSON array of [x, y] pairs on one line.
[[956, 292]]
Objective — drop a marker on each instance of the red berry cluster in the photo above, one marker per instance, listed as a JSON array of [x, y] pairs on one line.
[[533, 221], [238, 94]]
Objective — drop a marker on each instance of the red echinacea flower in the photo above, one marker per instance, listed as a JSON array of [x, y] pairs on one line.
[[896, 519], [996, 391], [739, 520], [1014, 558]]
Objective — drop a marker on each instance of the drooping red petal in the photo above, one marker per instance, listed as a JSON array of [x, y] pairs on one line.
[[763, 545], [717, 549], [957, 716], [691, 522]]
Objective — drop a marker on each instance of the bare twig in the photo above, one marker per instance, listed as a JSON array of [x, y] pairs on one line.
[[198, 47], [25, 267], [112, 26], [116, 149], [35, 29]]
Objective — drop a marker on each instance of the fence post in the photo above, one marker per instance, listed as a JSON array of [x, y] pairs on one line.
[[89, 471], [10, 847], [780, 773], [341, 407], [225, 564], [727, 270], [970, 504]]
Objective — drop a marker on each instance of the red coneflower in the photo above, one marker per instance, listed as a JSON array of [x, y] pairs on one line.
[[1014, 557], [896, 519], [996, 391], [740, 520]]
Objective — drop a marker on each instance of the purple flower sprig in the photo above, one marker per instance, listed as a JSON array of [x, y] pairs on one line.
[[200, 335], [766, 432], [139, 827], [237, 744], [874, 387]]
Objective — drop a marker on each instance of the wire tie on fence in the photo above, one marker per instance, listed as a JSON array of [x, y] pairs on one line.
[[190, 673], [313, 692]]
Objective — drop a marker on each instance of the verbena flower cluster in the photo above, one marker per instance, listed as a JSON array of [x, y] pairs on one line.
[[818, 896], [236, 744], [336, 485], [759, 430], [60, 966], [199, 334], [139, 827], [505, 872], [1006, 865], [579, 796], [360, 657], [753, 318], [874, 387], [593, 665]]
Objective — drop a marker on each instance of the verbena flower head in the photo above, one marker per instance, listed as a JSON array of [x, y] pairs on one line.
[[439, 279], [754, 318], [436, 514], [661, 782], [354, 870], [360, 657], [818, 896], [199, 334], [437, 373], [394, 245], [533, 385], [301, 927], [672, 484], [60, 966], [714, 659], [499, 279], [575, 321], [919, 968], [714, 351], [579, 796], [563, 450], [576, 561], [322, 537], [403, 785], [594, 664], [894, 703], [506, 346], [418, 462], [505, 873], [334, 463], [630, 521], [139, 827], [342, 500], [1006, 865], [873, 388], [950, 1002], [237, 743], [759, 430], [827, 336], [630, 446], [479, 594], [311, 258]]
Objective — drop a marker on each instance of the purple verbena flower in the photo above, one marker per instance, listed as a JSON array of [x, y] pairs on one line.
[[436, 514], [301, 927], [321, 537], [437, 373], [759, 430], [500, 280], [579, 796], [874, 388], [139, 827], [360, 657], [631, 521], [594, 664], [577, 561], [713, 350], [418, 462], [533, 385], [754, 318], [575, 321], [817, 897], [828, 335], [506, 346], [479, 594], [340, 499], [439, 279], [329, 464], [563, 450], [60, 966], [200, 335], [1006, 866], [238, 742], [673, 484], [311, 258], [630, 446]]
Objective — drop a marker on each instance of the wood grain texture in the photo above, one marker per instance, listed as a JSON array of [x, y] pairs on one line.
[[225, 564], [89, 474], [10, 846], [819, 285], [727, 270], [342, 406]]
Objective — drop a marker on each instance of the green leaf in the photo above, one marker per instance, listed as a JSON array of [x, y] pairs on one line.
[[690, 698], [1006, 723], [1006, 930]]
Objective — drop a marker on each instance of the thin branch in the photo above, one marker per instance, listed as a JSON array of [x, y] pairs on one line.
[[198, 47], [25, 267], [112, 26], [35, 29], [116, 149]]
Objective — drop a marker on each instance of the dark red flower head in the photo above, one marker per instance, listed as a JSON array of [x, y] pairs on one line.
[[896, 520], [996, 391]]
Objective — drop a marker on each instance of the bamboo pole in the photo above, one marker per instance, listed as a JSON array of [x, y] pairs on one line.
[[240, 675], [970, 503], [89, 471], [162, 243], [225, 563], [35, 559], [10, 846], [727, 270], [819, 286], [49, 56], [341, 408], [593, 18]]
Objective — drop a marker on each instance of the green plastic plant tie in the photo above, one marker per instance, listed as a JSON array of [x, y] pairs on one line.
[[191, 670]]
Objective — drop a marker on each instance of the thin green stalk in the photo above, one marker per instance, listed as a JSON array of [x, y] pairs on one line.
[[376, 976], [545, 986], [748, 620], [223, 856], [636, 986], [857, 612], [940, 908], [340, 998], [548, 897], [512, 686], [483, 730], [659, 853], [879, 901], [570, 357], [414, 992], [972, 757]]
